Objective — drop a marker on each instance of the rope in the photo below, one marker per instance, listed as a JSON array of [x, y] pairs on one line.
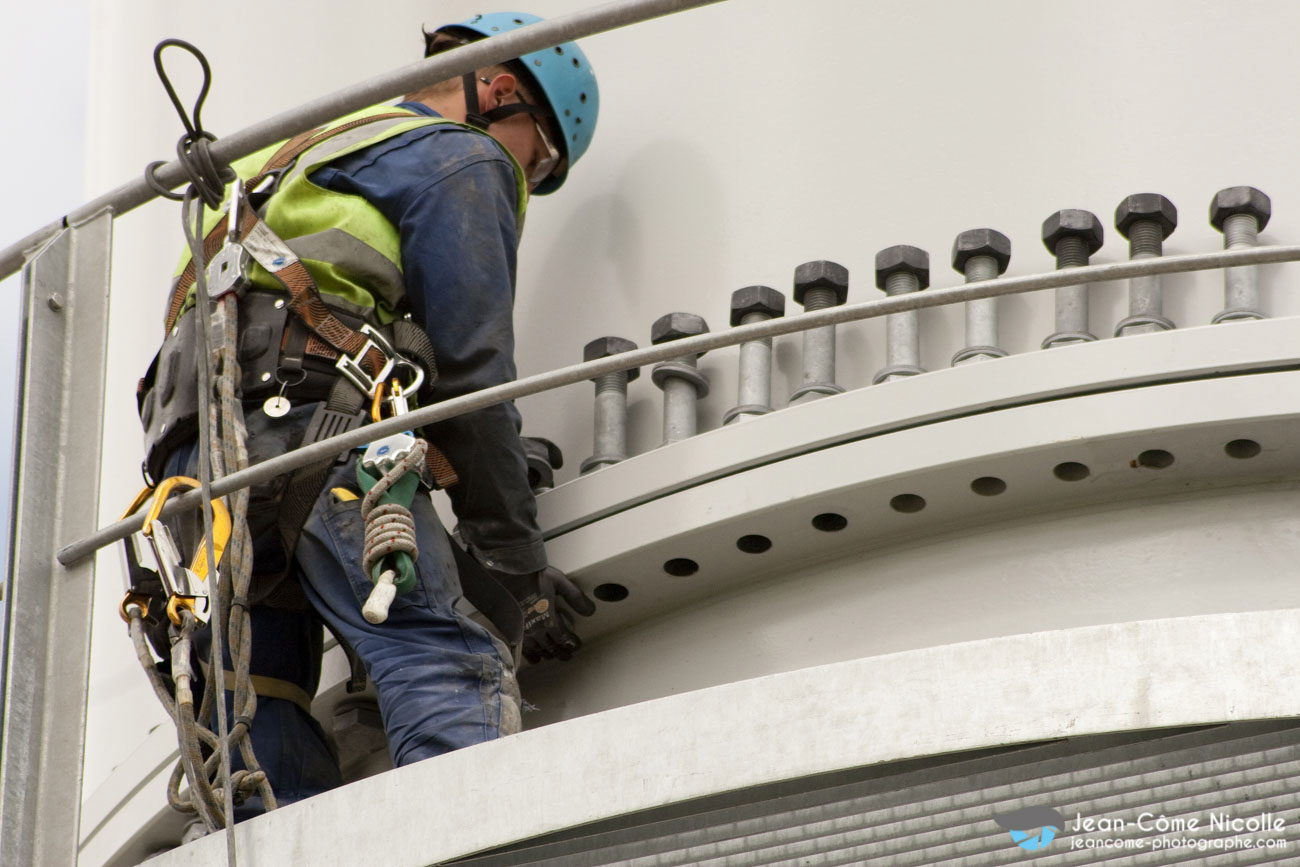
[[213, 790], [390, 528], [206, 177]]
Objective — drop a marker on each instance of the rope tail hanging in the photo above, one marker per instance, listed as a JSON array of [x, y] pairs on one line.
[[205, 755]]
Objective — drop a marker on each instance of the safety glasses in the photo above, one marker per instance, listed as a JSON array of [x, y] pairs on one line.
[[548, 163]]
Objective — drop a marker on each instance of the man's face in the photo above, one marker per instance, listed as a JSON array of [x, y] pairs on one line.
[[526, 136]]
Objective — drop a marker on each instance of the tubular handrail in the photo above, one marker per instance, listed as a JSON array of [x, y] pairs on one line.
[[409, 78], [541, 382]]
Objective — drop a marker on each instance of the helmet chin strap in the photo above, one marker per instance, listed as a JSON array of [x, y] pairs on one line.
[[484, 119]]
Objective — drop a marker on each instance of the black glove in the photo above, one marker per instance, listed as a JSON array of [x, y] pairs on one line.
[[547, 628]]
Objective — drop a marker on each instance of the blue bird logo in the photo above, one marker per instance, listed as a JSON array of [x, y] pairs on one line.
[[1032, 828]]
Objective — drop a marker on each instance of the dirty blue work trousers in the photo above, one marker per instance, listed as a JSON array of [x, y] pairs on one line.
[[439, 676]]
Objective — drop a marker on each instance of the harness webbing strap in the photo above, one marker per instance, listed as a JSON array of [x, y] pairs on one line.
[[211, 244], [304, 299], [444, 475], [264, 685], [288, 152]]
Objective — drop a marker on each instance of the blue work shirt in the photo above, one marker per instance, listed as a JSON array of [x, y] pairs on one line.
[[451, 193]]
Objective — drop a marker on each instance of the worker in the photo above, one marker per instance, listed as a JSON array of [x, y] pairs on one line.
[[416, 214]]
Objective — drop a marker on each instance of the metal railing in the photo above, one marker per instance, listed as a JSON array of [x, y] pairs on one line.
[[541, 382]]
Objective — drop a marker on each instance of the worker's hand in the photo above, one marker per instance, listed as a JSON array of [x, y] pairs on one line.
[[547, 627]]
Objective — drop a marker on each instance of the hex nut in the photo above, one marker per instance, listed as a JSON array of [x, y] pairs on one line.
[[902, 258], [675, 326], [1072, 222], [1240, 200], [1146, 206], [543, 450], [604, 347], [821, 274], [981, 242], [756, 299]]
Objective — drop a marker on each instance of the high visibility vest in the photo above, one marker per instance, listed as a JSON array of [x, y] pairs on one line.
[[351, 250]]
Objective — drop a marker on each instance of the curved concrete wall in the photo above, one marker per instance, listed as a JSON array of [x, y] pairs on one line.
[[736, 142]]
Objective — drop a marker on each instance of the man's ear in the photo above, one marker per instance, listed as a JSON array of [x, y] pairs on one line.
[[502, 88]]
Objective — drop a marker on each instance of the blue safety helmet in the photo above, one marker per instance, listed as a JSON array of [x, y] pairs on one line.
[[562, 74]]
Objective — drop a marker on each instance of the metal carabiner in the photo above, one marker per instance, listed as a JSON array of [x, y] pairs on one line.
[[180, 581], [136, 573], [399, 395]]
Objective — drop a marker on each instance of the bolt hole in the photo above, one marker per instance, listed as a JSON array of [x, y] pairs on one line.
[[988, 486], [610, 592], [681, 567], [829, 522], [907, 503], [1070, 471], [1242, 449], [1155, 459], [754, 544]]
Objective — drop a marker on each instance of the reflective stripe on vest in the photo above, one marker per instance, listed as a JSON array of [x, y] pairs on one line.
[[351, 250]]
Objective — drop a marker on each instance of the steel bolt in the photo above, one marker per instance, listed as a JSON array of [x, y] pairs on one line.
[[754, 394], [610, 417], [1240, 213], [981, 254], [55, 301], [818, 285], [899, 270], [544, 457], [1072, 236], [1145, 219], [681, 381]]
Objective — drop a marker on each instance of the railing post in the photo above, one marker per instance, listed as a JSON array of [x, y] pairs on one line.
[[47, 606]]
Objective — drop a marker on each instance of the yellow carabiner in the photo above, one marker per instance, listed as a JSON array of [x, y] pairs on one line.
[[377, 402], [220, 522]]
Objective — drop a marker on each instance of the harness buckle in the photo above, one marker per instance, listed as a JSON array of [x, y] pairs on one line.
[[350, 366]]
